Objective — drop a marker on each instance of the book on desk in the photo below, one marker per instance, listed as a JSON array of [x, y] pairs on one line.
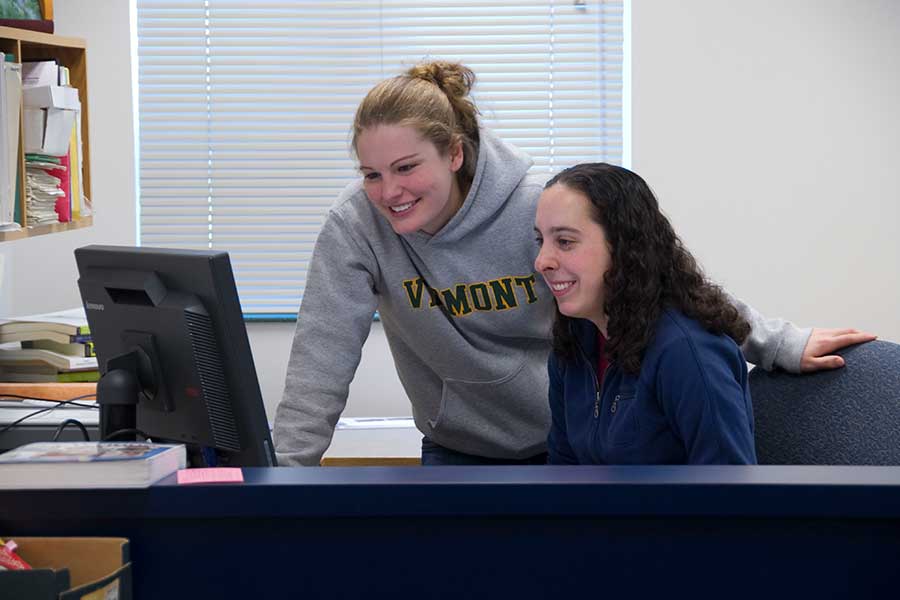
[[61, 465]]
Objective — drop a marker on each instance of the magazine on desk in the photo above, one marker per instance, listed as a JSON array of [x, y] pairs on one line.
[[57, 465]]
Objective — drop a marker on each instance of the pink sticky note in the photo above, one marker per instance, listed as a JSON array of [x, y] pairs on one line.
[[210, 475]]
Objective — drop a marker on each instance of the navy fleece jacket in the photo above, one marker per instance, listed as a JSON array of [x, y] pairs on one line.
[[690, 403]]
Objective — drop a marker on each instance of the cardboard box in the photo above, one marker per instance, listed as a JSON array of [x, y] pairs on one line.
[[70, 568], [49, 114]]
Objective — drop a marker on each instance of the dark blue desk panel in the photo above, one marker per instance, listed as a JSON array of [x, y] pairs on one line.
[[499, 532]]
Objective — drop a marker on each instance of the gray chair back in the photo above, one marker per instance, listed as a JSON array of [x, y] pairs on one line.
[[848, 416]]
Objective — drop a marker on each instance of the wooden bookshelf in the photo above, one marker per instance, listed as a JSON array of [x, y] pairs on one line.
[[69, 52]]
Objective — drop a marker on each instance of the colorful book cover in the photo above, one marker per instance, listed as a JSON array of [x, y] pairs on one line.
[[78, 452]]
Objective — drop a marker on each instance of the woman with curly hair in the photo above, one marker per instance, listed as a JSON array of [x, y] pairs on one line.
[[646, 366]]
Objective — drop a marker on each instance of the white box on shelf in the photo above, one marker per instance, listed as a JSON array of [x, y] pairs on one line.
[[51, 96], [49, 115]]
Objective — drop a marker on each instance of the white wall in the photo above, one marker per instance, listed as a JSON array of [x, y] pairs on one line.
[[375, 392], [769, 130]]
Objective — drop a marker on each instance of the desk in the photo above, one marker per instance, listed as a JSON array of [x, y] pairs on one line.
[[369, 442], [376, 442], [50, 391], [388, 441], [497, 532], [43, 427]]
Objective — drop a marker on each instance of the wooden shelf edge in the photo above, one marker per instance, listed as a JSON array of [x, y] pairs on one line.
[[49, 391], [39, 37], [6, 236]]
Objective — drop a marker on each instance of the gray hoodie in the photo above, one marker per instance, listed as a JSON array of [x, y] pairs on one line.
[[475, 370]]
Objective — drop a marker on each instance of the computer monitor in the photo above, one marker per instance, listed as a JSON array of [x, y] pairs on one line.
[[173, 352]]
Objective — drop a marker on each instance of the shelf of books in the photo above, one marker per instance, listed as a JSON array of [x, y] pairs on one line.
[[37, 351], [45, 181]]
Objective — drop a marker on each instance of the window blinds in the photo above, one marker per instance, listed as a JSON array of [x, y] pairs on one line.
[[245, 109]]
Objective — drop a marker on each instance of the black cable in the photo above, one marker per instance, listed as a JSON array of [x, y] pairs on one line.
[[119, 432], [68, 422], [62, 425], [70, 403], [39, 411]]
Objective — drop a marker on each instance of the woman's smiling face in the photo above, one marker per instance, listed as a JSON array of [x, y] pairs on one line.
[[407, 178], [574, 254]]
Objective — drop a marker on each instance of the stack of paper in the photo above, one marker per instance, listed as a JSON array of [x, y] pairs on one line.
[[14, 355], [42, 190], [40, 72], [48, 347]]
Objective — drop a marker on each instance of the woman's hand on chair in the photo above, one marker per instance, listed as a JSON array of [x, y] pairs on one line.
[[817, 355]]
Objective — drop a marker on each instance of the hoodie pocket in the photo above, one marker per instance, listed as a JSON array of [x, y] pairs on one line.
[[505, 418]]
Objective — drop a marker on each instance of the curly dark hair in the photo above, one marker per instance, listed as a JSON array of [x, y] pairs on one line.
[[651, 269]]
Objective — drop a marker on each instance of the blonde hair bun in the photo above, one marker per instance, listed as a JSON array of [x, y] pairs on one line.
[[453, 79]]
